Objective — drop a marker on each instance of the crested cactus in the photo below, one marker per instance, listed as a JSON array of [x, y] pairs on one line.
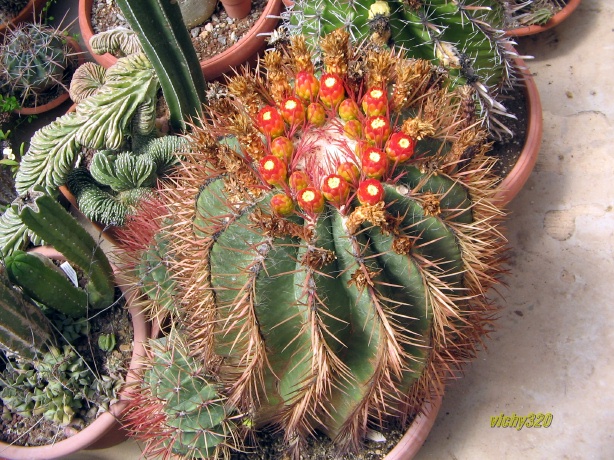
[[464, 37], [24, 329], [116, 183], [35, 58], [332, 280]]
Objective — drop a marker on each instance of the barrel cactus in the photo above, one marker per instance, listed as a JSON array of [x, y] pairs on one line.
[[35, 58], [331, 239], [463, 36]]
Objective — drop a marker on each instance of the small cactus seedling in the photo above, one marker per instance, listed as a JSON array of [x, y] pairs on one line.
[[335, 289]]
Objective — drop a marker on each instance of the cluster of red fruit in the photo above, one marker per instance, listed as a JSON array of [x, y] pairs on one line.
[[376, 146]]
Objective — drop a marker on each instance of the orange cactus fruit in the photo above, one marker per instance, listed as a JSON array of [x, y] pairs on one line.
[[353, 129], [311, 200], [282, 148], [273, 170], [375, 102], [306, 86], [316, 114], [282, 204], [348, 110], [270, 122], [332, 91], [370, 192], [349, 171], [374, 162], [377, 129], [298, 180], [335, 189], [292, 110], [400, 147]]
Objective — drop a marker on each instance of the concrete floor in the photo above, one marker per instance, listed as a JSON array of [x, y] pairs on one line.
[[553, 349]]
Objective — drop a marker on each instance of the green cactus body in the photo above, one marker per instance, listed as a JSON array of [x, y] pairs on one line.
[[335, 286], [34, 59], [44, 216], [464, 37], [46, 283], [24, 329]]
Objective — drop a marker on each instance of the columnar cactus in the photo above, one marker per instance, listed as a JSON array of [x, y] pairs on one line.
[[34, 59], [332, 285], [463, 36]]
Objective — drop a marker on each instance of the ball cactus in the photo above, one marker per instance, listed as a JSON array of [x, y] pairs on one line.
[[339, 294], [35, 58]]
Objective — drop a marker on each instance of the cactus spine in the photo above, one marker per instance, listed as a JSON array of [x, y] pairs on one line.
[[44, 216], [332, 283], [24, 329]]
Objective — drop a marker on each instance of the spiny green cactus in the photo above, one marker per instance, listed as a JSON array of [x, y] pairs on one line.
[[193, 421], [44, 216], [24, 329], [117, 182], [332, 239], [463, 36], [35, 58]]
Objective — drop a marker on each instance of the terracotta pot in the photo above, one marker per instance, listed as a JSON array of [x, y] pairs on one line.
[[418, 431], [517, 177], [554, 21], [30, 13], [245, 50], [63, 97], [106, 430], [237, 9]]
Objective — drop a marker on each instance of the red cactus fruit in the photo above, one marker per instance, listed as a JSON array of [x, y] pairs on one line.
[[374, 162], [331, 90], [298, 181], [360, 147], [375, 102], [306, 86], [282, 204], [400, 147], [349, 171], [282, 148], [292, 110], [316, 114], [311, 200], [353, 129], [273, 170], [348, 110], [370, 192], [270, 122], [335, 189], [377, 129]]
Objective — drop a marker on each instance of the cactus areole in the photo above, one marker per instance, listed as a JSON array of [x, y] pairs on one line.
[[334, 290]]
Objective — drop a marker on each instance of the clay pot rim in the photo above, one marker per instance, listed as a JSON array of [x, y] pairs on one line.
[[210, 66], [511, 184], [64, 96], [31, 11], [555, 20], [107, 420]]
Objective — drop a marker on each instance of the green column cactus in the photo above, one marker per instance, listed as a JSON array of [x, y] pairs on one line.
[[24, 329], [44, 216], [333, 236]]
